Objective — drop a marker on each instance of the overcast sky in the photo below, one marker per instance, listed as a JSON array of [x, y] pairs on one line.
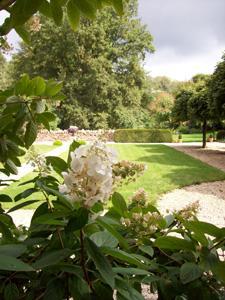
[[189, 36]]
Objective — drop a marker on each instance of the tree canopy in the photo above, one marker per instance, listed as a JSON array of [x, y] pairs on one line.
[[217, 90], [192, 103], [100, 65]]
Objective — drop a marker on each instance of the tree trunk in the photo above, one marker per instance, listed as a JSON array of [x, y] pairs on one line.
[[204, 128]]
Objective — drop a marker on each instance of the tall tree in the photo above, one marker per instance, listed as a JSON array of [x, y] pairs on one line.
[[192, 103], [217, 90], [100, 66], [198, 105]]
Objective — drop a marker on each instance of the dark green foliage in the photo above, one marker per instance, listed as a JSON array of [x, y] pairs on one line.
[[100, 65], [217, 90], [192, 103], [143, 136], [220, 135], [21, 11], [23, 110]]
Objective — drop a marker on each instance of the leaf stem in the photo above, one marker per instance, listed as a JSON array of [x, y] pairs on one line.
[[82, 260]]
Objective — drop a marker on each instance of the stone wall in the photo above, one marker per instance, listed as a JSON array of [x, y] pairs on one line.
[[87, 135]]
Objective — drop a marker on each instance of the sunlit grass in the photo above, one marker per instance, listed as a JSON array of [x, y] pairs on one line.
[[167, 169]]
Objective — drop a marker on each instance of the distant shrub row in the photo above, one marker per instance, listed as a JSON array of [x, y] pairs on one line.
[[143, 136], [220, 135]]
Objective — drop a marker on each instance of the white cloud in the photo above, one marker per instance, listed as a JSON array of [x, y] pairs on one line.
[[166, 62], [188, 36]]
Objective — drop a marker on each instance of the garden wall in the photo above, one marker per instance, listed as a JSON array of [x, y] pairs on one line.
[[64, 135]]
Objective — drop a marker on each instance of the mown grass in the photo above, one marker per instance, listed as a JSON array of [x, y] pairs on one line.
[[191, 137], [167, 169]]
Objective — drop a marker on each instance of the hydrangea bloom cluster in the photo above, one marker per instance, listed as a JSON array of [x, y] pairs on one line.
[[126, 171], [143, 224], [90, 178]]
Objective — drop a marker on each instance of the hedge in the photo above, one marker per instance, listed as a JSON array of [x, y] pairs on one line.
[[143, 136], [220, 135]]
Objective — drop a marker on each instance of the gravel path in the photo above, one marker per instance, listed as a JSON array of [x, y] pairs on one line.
[[213, 154], [210, 195]]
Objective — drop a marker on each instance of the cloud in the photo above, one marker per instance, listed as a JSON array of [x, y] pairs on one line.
[[188, 34]]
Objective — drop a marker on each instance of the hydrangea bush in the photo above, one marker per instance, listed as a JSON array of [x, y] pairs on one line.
[[86, 241]]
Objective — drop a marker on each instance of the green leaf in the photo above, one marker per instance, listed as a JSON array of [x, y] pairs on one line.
[[11, 292], [171, 242], [51, 218], [79, 220], [79, 288], [37, 86], [118, 5], [21, 87], [55, 290], [189, 272], [5, 198], [23, 33], [104, 239], [53, 88], [30, 134], [103, 222], [14, 250], [147, 249], [204, 227], [52, 258], [57, 12], [119, 203], [73, 14], [10, 263], [62, 198], [11, 167], [130, 271], [5, 120], [219, 270], [73, 146], [127, 291], [25, 194], [21, 205], [86, 7], [100, 261], [45, 9], [6, 233], [123, 256], [58, 164]]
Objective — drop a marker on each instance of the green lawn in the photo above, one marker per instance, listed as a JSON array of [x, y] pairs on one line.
[[167, 169], [191, 137]]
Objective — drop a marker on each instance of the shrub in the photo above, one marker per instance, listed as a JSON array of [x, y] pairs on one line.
[[220, 135], [57, 143], [143, 136]]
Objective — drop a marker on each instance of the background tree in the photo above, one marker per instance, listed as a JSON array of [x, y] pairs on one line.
[[163, 84], [198, 105], [192, 104], [217, 90], [160, 109], [5, 79], [100, 66]]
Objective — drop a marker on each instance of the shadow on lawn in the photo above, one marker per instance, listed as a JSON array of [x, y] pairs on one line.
[[182, 169]]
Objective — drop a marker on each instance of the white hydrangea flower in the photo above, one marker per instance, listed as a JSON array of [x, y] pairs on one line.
[[91, 176]]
